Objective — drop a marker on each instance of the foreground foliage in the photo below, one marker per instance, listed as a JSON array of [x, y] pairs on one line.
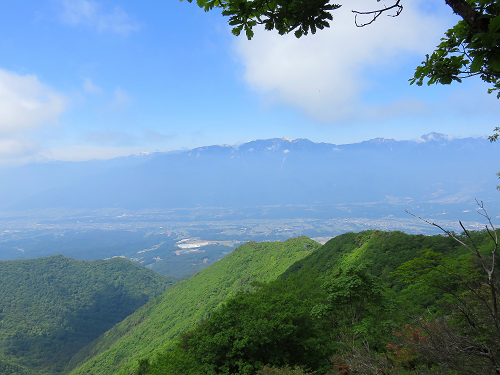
[[371, 303], [470, 48], [270, 326]]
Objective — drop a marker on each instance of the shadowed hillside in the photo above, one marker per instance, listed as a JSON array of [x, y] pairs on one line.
[[50, 308]]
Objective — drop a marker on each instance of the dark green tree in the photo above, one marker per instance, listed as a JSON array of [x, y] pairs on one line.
[[357, 308], [272, 326]]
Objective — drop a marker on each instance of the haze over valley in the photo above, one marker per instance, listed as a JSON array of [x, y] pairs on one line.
[[143, 207]]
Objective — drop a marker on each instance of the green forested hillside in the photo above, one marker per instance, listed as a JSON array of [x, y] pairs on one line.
[[153, 328], [384, 251], [369, 303], [8, 368], [52, 307]]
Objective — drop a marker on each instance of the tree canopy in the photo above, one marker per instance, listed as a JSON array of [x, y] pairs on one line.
[[470, 48], [369, 303], [52, 307]]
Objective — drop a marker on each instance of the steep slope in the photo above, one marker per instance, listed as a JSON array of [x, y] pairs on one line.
[[52, 307], [384, 251], [352, 316], [153, 327]]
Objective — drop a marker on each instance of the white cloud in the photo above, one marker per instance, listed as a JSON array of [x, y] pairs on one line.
[[325, 74], [121, 99], [154, 136], [90, 88], [433, 137], [15, 147], [82, 153], [17, 150], [89, 14], [27, 104]]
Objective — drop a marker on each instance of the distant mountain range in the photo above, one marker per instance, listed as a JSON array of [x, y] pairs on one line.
[[436, 169]]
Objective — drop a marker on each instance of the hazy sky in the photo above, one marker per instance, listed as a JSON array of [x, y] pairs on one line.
[[83, 79]]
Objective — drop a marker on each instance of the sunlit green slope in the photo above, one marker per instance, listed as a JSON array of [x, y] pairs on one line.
[[383, 251], [153, 327], [52, 307], [340, 301]]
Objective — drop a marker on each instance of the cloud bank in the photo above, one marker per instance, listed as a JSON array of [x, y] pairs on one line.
[[325, 74], [26, 105]]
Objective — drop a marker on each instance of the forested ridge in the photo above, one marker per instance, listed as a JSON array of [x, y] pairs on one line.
[[155, 326], [372, 302], [52, 307]]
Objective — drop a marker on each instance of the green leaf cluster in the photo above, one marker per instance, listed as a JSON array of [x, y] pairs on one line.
[[358, 308], [272, 326], [285, 16], [466, 51]]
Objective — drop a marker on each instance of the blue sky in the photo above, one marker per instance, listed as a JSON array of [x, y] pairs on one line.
[[83, 79]]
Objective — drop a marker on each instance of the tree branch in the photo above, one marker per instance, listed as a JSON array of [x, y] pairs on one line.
[[474, 18], [376, 13]]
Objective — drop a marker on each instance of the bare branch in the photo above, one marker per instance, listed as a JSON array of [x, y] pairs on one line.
[[492, 232], [476, 251], [470, 238], [447, 232], [376, 13], [488, 270]]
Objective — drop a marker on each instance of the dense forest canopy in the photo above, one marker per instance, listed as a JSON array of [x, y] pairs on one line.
[[411, 304], [155, 326], [362, 302], [52, 307]]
